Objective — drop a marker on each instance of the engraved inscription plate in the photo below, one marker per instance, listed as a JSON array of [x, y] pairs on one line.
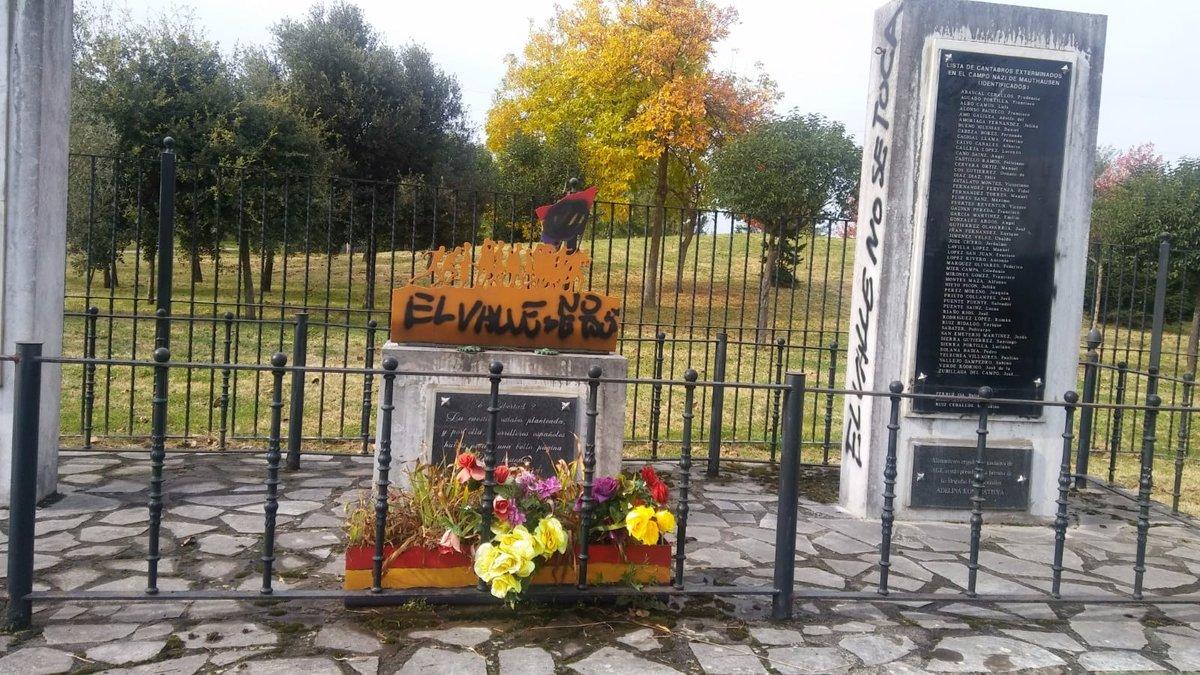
[[941, 477], [540, 429], [992, 219]]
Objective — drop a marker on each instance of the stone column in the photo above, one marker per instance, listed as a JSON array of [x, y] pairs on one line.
[[36, 63], [972, 246]]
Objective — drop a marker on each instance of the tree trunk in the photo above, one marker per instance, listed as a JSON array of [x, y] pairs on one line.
[[267, 271], [107, 276], [684, 243], [1194, 332], [152, 277], [247, 274], [1097, 291], [116, 282], [650, 283], [197, 272], [765, 282]]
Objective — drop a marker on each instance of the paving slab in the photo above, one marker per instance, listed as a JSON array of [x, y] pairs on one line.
[[429, 660], [526, 661], [613, 660], [978, 653], [726, 659]]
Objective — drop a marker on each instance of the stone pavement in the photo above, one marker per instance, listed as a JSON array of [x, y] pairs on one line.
[[94, 538]]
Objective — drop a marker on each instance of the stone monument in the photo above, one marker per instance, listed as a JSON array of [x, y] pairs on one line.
[[36, 62], [972, 241], [522, 306]]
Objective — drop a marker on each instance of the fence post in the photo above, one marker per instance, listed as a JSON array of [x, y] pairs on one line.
[[1189, 382], [22, 493], [368, 381], [271, 508], [1091, 367], [1150, 420], [383, 460], [495, 370], [833, 352], [977, 485], [781, 347], [1118, 416], [589, 470], [656, 394], [718, 407], [158, 453], [166, 243], [789, 498], [685, 472], [296, 411], [225, 373], [1064, 487], [89, 374], [888, 516]]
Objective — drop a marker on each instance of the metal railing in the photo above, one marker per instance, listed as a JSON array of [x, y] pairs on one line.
[[793, 395]]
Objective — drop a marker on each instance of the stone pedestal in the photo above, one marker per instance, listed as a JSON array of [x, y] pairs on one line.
[[434, 413], [971, 250], [36, 64]]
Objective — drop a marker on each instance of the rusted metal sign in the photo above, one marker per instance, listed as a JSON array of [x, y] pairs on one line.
[[507, 295]]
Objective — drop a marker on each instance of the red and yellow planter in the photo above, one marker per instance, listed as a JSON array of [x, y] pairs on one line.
[[430, 568]]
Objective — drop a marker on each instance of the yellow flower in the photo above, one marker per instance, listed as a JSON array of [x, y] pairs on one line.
[[550, 536], [505, 584], [520, 543], [485, 559], [641, 524], [666, 520]]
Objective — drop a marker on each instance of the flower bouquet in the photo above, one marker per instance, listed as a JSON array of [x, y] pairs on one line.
[[435, 534]]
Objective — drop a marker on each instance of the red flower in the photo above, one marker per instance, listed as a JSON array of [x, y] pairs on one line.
[[649, 476], [501, 507], [469, 468], [500, 473], [660, 492]]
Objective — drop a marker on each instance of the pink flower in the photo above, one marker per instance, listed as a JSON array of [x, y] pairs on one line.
[[545, 489], [450, 542], [526, 480]]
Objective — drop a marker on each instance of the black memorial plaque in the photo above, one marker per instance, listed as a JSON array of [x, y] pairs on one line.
[[942, 474], [535, 428], [995, 178]]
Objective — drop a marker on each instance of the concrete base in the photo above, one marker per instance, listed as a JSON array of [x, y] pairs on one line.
[[414, 399]]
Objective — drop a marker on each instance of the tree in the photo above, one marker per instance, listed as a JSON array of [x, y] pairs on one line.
[[268, 133], [392, 113], [144, 83], [784, 175], [1158, 198], [633, 80], [389, 111], [537, 166], [1119, 176]]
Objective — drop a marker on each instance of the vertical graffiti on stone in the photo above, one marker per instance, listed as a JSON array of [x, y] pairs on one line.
[[873, 199]]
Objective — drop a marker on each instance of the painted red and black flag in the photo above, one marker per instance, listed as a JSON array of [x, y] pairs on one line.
[[564, 220]]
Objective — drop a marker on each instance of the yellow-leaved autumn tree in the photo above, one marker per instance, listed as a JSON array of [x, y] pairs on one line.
[[633, 80]]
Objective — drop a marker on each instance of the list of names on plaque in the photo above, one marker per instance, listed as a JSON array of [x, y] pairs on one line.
[[992, 220]]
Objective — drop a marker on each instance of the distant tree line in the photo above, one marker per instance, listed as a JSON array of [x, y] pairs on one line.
[[257, 132], [1138, 197]]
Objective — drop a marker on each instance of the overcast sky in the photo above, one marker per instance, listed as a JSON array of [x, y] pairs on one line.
[[816, 50]]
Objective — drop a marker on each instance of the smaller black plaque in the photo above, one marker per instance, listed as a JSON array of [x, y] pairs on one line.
[[534, 428], [941, 477]]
